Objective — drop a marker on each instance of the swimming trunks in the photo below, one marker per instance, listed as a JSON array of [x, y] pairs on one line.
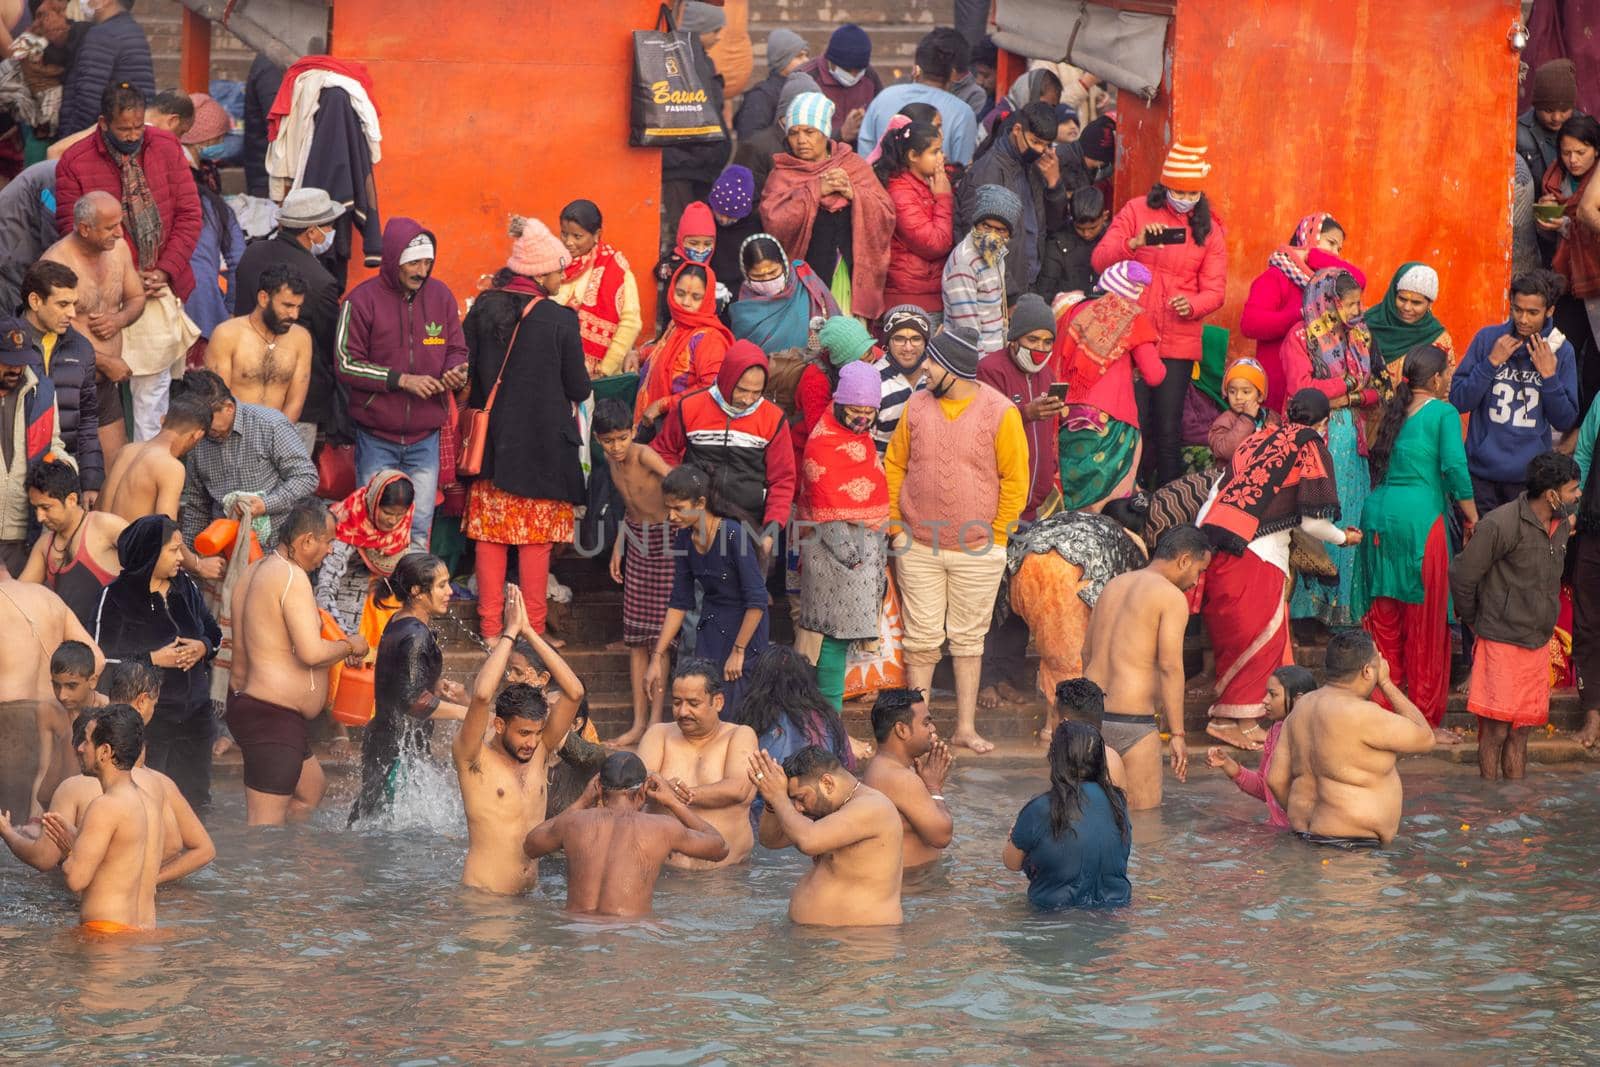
[[107, 926], [1349, 844], [1122, 732], [274, 741]]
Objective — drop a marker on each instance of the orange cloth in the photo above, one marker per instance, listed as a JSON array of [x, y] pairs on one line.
[[1044, 591], [507, 519], [1510, 684], [106, 926]]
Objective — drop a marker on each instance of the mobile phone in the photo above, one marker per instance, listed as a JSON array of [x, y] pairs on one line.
[[1168, 235], [1058, 391]]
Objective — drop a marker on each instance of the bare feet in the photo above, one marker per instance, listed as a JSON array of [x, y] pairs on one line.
[[988, 698], [1441, 736], [1012, 695], [862, 750], [1228, 732], [220, 746], [971, 741], [628, 738], [1589, 736]]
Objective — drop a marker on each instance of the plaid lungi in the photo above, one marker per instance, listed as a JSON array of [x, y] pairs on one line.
[[647, 571]]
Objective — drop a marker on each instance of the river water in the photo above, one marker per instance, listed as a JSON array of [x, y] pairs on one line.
[[1475, 940]]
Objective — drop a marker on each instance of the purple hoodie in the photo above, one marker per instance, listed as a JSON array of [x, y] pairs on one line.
[[385, 332]]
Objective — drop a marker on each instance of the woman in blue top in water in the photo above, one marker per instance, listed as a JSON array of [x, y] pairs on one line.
[[1073, 841]]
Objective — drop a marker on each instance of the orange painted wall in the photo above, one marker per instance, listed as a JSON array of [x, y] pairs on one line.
[[518, 106], [1398, 122]]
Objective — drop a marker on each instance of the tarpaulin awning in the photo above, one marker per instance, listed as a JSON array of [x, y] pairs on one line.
[[1125, 48]]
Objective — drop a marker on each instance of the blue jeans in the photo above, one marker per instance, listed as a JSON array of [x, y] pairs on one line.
[[419, 461]]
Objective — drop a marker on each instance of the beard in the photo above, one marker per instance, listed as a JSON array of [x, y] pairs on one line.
[[277, 325], [511, 751]]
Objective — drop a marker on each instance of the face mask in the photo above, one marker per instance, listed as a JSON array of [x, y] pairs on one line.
[[853, 423], [727, 405], [126, 148], [1182, 207], [844, 77], [1566, 511], [770, 287], [991, 246], [321, 247], [1030, 156], [947, 383], [698, 255], [213, 152], [1028, 360]]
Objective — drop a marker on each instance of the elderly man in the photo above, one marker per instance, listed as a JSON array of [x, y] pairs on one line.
[[400, 351], [50, 301]]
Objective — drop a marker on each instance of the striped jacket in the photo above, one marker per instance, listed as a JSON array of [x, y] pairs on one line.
[[975, 295]]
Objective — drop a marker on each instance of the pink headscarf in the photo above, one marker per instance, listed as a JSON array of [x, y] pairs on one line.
[[896, 123]]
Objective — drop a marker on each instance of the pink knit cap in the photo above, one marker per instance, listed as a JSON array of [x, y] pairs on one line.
[[536, 251], [860, 386], [1127, 278]]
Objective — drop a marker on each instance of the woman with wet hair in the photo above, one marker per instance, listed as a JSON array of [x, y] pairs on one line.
[[1287, 685]]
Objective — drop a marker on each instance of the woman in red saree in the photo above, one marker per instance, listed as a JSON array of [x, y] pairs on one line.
[[1283, 480], [600, 287], [689, 354]]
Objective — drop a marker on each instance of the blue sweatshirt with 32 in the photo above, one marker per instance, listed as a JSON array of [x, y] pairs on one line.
[[1513, 407]]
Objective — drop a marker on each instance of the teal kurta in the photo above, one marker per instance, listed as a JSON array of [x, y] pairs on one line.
[[1427, 470]]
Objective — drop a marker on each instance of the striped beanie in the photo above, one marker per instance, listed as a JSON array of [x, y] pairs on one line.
[[1127, 278], [1186, 165], [810, 109]]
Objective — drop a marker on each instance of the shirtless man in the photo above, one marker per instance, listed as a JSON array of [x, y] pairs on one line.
[[110, 297], [148, 476], [1134, 652], [78, 557], [113, 860], [1334, 770], [910, 769], [615, 850], [1080, 700], [851, 831], [37, 621], [705, 760], [505, 775], [280, 669], [265, 357]]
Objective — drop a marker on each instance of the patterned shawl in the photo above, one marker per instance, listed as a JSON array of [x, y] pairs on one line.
[[1282, 474], [139, 210], [1095, 542], [1291, 258], [1336, 350], [355, 524], [596, 302], [840, 480], [1099, 331]]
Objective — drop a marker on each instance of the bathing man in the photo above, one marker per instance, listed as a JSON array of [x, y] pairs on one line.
[[615, 850], [910, 769], [1134, 652], [1334, 769]]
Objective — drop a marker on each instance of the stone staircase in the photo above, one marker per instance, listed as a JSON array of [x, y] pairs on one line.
[[163, 25], [895, 27]]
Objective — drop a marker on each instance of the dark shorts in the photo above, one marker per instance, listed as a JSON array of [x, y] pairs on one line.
[[109, 395], [274, 741], [1122, 732], [1349, 844]]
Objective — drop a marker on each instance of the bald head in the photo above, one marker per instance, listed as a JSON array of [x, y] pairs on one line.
[[97, 220]]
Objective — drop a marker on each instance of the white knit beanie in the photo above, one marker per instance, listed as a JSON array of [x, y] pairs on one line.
[[1421, 279]]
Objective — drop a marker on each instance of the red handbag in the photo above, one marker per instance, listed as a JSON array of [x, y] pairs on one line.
[[336, 470], [475, 421]]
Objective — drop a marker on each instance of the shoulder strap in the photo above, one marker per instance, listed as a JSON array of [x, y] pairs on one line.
[[488, 404]]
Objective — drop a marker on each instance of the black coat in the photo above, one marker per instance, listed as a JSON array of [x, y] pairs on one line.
[[532, 424], [260, 89], [759, 108], [77, 401], [326, 400]]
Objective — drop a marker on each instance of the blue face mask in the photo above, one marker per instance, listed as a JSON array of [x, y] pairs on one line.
[[698, 255], [213, 152], [1182, 207]]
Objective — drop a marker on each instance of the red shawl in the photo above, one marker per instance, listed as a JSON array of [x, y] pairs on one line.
[[1282, 474], [689, 354], [1578, 254], [840, 480], [596, 304], [792, 197], [1095, 334], [355, 525]]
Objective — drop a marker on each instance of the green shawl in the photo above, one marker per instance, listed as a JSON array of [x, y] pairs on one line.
[[1391, 337]]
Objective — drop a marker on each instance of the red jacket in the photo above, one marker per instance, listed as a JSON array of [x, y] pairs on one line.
[[1273, 308], [87, 166], [1198, 272], [924, 234]]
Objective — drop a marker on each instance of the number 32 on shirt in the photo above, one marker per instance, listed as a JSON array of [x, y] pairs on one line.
[[1515, 405]]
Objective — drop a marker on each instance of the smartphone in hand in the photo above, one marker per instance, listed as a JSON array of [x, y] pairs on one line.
[[1168, 235], [1058, 391]]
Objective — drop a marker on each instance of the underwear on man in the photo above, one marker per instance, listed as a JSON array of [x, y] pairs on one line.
[[1348, 844], [106, 926], [1122, 732], [274, 741]]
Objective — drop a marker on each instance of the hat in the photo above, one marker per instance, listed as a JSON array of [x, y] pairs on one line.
[[998, 202], [306, 207], [849, 48], [1555, 86], [419, 247], [1099, 140], [698, 17], [810, 109], [795, 84], [845, 339], [904, 316], [210, 120], [734, 193], [1030, 313], [1127, 278], [1186, 164], [622, 770], [1250, 371], [955, 348], [14, 348], [859, 386], [1421, 279], [782, 46], [535, 252]]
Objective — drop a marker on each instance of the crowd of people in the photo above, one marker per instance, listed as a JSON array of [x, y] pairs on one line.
[[911, 360]]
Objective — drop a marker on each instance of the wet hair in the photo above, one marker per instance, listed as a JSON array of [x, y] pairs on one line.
[[1181, 540], [519, 700], [1078, 755], [1081, 700], [1039, 118], [1307, 407], [695, 667], [187, 411], [1296, 682], [1200, 221], [1582, 128], [811, 761], [611, 416], [1541, 283], [782, 691], [1550, 470], [893, 707], [941, 52], [73, 657], [898, 146], [686, 482], [119, 97], [126, 680], [208, 386], [54, 478], [917, 111], [761, 249], [1088, 204], [281, 276], [399, 493], [173, 102], [414, 571], [622, 771], [45, 277], [1422, 364], [524, 648], [1348, 652], [582, 213], [308, 515], [119, 726]]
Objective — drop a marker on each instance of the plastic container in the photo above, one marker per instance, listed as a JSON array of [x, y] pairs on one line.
[[218, 540], [353, 701]]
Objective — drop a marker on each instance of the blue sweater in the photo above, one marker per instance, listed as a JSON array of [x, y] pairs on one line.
[[113, 51], [1513, 408]]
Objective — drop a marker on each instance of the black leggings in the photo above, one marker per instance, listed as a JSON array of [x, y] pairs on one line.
[[1161, 423]]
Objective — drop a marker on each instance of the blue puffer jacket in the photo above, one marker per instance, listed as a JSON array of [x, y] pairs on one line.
[[115, 50], [77, 401]]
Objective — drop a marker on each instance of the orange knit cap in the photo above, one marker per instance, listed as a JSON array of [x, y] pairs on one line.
[[1186, 165], [1248, 370]]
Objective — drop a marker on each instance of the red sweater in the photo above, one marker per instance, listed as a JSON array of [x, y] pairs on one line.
[[924, 234], [1198, 272], [1273, 308]]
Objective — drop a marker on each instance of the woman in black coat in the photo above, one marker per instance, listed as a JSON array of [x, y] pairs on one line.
[[531, 478]]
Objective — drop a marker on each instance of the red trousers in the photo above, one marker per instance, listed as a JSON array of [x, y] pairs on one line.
[[533, 577], [1414, 638]]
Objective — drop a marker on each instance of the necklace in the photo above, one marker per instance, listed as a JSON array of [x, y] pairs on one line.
[[270, 340], [852, 795], [66, 546]]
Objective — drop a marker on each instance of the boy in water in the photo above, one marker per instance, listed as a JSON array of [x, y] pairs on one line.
[[641, 563], [73, 677]]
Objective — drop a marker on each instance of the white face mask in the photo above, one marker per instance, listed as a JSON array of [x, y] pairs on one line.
[[322, 246], [845, 77], [769, 287]]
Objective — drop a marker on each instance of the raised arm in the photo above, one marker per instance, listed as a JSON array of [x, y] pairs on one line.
[[813, 837], [694, 837], [736, 788], [197, 847], [914, 798], [468, 743], [547, 836], [1406, 731], [559, 720]]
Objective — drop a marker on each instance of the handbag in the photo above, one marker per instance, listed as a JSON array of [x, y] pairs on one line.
[[671, 105], [336, 470], [475, 421], [1309, 557]]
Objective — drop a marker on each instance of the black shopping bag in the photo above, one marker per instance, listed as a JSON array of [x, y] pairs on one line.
[[670, 103]]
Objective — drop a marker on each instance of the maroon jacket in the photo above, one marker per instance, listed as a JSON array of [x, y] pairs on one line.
[[999, 371], [87, 166], [846, 98]]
